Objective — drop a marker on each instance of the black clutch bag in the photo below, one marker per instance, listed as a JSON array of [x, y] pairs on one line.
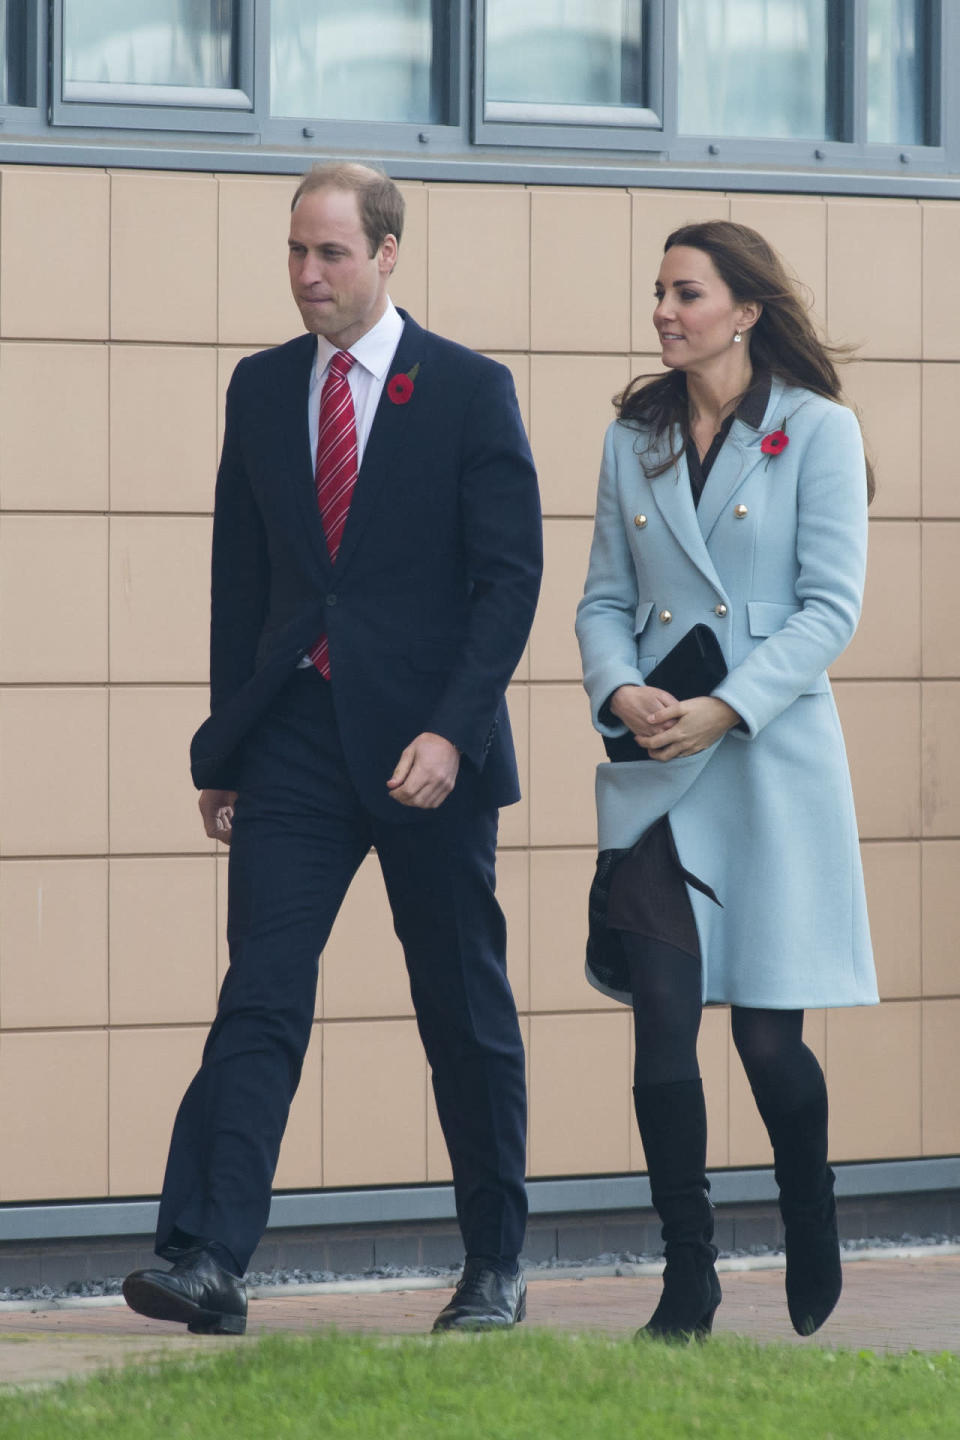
[[695, 666]]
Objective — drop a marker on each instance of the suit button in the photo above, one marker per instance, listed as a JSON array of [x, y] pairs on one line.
[[640, 521], [740, 511], [720, 610], [666, 616], [331, 600]]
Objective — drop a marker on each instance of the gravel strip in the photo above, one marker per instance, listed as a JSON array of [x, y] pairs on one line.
[[397, 1277]]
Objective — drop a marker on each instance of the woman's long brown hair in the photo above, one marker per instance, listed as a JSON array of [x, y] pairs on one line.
[[783, 340]]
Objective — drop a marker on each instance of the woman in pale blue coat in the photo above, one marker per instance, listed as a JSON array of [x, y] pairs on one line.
[[733, 493]]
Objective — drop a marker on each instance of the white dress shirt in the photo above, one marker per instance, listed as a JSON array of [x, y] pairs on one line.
[[373, 354]]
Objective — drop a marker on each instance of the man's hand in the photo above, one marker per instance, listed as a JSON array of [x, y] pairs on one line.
[[426, 772], [216, 807], [692, 725], [639, 707]]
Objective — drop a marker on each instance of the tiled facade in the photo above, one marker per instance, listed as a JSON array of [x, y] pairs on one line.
[[125, 300]]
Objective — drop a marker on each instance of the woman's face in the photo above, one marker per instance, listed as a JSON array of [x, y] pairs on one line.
[[696, 316]]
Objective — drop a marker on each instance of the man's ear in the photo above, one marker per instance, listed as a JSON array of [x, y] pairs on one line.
[[387, 254]]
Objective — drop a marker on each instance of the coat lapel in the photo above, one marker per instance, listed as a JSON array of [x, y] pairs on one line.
[[737, 460], [388, 435], [674, 498]]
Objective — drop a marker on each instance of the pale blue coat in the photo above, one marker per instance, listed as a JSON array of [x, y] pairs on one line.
[[773, 560]]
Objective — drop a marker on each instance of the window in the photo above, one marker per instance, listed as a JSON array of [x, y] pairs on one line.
[[898, 82], [677, 78], [173, 56], [788, 69], [599, 91], [322, 61], [756, 68], [181, 48], [557, 60], [573, 68]]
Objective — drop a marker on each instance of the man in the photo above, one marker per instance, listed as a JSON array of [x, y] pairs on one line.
[[376, 564]]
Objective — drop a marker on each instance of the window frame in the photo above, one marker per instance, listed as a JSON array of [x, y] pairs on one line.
[[847, 147], [142, 107], [383, 135], [579, 132], [467, 148], [850, 150]]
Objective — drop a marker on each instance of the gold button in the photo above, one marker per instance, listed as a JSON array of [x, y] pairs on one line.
[[740, 511], [720, 610], [666, 616], [640, 521]]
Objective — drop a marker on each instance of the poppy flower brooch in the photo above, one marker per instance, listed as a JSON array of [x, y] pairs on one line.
[[776, 442], [400, 387]]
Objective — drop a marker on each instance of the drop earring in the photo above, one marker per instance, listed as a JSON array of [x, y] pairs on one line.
[[737, 337]]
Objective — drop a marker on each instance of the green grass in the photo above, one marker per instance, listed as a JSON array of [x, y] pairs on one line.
[[536, 1384]]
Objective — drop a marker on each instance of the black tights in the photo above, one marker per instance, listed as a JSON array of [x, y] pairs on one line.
[[667, 1006]]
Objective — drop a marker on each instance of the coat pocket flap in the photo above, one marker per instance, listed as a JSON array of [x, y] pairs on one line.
[[766, 617], [643, 615]]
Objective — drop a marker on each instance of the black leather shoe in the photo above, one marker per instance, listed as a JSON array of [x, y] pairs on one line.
[[484, 1300], [196, 1291]]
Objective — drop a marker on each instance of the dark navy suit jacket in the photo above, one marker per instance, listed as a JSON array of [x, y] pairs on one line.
[[430, 602]]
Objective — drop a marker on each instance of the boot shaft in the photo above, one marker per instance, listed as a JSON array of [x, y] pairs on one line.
[[672, 1120]]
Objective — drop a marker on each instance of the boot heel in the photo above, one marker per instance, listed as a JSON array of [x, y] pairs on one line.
[[522, 1308]]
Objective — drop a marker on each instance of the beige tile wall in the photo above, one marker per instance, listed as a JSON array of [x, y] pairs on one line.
[[112, 902]]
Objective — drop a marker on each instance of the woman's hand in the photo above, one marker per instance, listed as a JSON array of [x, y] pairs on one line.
[[639, 707], [688, 726]]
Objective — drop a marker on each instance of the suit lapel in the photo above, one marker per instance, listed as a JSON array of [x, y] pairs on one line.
[[674, 498], [737, 460], [290, 412], [388, 435]]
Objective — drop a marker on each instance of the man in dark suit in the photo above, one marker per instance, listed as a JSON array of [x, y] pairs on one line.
[[376, 563]]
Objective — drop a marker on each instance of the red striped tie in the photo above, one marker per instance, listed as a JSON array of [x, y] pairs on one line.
[[336, 472]]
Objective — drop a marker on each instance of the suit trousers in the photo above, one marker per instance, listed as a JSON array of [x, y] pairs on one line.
[[299, 835]]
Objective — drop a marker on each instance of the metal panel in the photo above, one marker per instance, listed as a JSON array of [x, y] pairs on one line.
[[416, 1203]]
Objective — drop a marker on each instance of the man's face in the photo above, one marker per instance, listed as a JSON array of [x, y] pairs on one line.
[[339, 287]]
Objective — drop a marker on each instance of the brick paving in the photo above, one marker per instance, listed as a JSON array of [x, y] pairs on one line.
[[890, 1304]]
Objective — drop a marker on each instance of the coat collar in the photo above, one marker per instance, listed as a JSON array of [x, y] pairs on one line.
[[692, 525], [737, 460]]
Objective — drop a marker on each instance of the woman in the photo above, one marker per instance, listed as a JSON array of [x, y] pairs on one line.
[[733, 493]]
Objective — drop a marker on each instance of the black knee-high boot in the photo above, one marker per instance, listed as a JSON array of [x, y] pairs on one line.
[[808, 1208], [673, 1127]]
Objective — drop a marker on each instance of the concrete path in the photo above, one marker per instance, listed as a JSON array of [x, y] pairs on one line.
[[911, 1301]]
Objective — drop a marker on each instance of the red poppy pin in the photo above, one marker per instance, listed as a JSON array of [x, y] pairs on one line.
[[777, 441], [400, 387]]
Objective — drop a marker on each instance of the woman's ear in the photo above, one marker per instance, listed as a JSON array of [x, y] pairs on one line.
[[750, 313]]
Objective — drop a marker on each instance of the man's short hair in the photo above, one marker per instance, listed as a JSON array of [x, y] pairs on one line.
[[380, 203]]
